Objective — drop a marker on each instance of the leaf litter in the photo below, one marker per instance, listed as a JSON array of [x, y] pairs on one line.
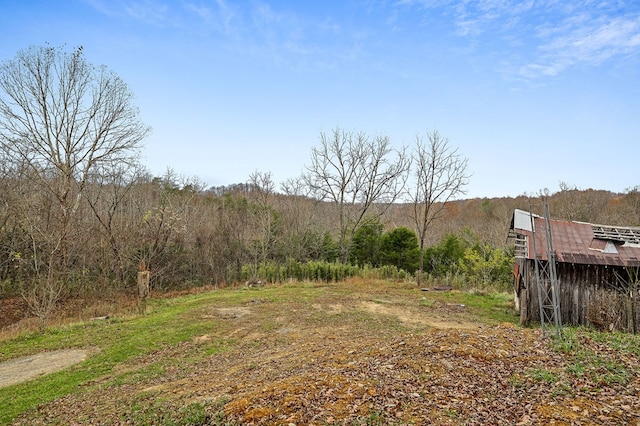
[[291, 364]]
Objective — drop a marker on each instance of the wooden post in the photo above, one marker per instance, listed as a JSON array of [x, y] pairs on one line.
[[144, 276]]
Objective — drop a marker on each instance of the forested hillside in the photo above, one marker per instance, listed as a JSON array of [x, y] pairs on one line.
[[191, 236], [80, 215]]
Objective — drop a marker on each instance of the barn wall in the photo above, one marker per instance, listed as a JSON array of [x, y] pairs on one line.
[[588, 296]]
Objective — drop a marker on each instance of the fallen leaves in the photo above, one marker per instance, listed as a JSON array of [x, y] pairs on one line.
[[366, 370]]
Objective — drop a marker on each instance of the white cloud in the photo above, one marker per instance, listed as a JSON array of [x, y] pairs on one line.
[[549, 37], [149, 11], [587, 44], [221, 16]]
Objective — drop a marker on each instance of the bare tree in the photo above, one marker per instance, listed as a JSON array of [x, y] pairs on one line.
[[261, 193], [61, 118], [356, 173], [304, 221], [107, 195], [440, 175]]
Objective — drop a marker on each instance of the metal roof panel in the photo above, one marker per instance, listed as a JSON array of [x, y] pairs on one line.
[[576, 242]]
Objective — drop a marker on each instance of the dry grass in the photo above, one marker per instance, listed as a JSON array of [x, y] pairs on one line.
[[361, 352]]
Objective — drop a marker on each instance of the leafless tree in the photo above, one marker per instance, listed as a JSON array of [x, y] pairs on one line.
[[8, 259], [440, 175], [108, 196], [631, 199], [163, 235], [261, 193], [304, 220], [356, 173], [61, 118], [571, 203]]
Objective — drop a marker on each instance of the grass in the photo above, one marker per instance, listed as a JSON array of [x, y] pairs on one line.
[[598, 369], [594, 355], [119, 344], [542, 375], [623, 342], [156, 413], [133, 349], [491, 307], [114, 342]]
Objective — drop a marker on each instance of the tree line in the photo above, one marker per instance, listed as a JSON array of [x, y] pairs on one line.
[[79, 214]]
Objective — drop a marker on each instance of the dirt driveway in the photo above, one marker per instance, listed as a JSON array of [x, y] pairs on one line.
[[352, 354], [29, 367]]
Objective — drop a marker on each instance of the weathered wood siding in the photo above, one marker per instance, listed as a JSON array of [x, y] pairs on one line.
[[588, 295]]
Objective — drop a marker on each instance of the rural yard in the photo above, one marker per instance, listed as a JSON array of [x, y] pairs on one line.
[[355, 353], [247, 213]]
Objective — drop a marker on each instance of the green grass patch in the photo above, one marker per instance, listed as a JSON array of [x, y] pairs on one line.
[[148, 412], [114, 341], [428, 303], [124, 342], [176, 335], [599, 369], [622, 342], [589, 352], [491, 307], [542, 375]]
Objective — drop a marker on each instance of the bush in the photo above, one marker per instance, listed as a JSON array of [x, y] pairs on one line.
[[365, 246], [318, 271], [399, 248], [443, 258], [486, 266]]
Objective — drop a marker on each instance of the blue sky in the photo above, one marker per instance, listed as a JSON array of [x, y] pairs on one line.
[[533, 93]]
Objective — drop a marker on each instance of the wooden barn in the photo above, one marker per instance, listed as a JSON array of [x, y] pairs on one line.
[[597, 270]]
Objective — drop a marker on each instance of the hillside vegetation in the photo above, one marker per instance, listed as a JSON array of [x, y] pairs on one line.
[[190, 237], [80, 215], [360, 352]]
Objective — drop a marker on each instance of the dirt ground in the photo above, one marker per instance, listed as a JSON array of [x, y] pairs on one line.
[[28, 367], [12, 311], [353, 359], [15, 318], [25, 368]]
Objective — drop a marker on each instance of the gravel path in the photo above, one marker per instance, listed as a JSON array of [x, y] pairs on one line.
[[21, 369]]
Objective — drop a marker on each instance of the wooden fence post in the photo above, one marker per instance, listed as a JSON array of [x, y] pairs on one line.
[[144, 276]]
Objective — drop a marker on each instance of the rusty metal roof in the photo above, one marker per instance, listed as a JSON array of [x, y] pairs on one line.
[[579, 242]]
